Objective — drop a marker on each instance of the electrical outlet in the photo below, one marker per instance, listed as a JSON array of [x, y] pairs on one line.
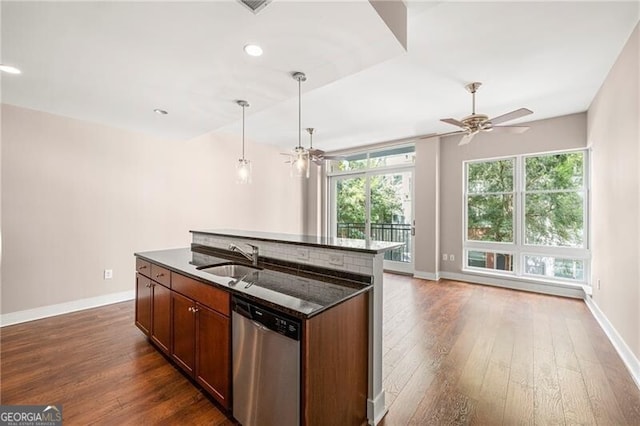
[[108, 274], [444, 257], [451, 258], [302, 254], [336, 259]]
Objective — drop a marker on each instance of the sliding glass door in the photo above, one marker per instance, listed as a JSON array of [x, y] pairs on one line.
[[375, 203]]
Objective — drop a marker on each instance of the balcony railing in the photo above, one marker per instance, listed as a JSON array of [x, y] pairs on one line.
[[396, 232]]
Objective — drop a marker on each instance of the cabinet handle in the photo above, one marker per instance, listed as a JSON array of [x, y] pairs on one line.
[[194, 310], [190, 309], [148, 285], [143, 267], [159, 275]]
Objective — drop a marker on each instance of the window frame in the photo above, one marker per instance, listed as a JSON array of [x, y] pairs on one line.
[[518, 247]]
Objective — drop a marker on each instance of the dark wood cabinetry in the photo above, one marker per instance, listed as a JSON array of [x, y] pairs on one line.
[[153, 306], [334, 365], [184, 330], [143, 304], [189, 321], [202, 335], [213, 361]]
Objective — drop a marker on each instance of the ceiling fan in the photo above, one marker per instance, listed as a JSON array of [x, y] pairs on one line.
[[476, 123], [318, 155]]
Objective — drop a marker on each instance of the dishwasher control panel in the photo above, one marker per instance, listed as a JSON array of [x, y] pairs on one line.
[[274, 321]]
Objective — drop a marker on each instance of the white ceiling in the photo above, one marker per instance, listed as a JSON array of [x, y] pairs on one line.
[[114, 62]]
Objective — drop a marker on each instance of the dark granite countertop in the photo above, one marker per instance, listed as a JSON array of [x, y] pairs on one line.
[[294, 292], [307, 240]]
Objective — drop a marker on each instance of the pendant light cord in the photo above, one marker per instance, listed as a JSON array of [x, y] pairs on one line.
[[243, 132], [300, 112]]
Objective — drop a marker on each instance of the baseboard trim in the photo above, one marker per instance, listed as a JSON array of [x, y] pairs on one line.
[[627, 355], [576, 292], [427, 275], [64, 308], [376, 409]]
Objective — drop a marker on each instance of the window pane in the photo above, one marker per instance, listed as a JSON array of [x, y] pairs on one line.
[[490, 260], [554, 219], [559, 171], [400, 156], [350, 208], [490, 176], [555, 267], [490, 218], [351, 162]]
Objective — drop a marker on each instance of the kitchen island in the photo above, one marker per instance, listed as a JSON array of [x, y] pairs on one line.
[[332, 285]]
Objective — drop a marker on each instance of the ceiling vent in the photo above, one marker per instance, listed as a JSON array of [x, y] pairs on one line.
[[255, 5]]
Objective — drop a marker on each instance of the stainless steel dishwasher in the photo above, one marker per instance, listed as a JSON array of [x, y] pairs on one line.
[[266, 366]]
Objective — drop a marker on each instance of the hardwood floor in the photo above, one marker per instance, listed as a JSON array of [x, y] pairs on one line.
[[102, 370], [457, 353], [454, 353]]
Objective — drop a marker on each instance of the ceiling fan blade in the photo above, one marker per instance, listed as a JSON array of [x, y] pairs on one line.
[[454, 122], [510, 129], [511, 115], [466, 139]]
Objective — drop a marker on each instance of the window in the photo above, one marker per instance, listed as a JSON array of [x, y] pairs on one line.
[[527, 216]]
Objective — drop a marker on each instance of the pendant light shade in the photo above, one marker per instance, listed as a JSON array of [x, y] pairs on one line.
[[243, 167], [300, 157]]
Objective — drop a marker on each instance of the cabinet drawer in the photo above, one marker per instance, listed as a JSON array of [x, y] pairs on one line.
[[161, 275], [143, 267], [207, 295]]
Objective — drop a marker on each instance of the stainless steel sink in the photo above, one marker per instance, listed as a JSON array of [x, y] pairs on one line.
[[231, 270]]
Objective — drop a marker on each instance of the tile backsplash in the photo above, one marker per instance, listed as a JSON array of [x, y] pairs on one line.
[[341, 260]]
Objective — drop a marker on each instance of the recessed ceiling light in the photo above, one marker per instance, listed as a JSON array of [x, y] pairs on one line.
[[9, 69], [253, 50], [160, 111]]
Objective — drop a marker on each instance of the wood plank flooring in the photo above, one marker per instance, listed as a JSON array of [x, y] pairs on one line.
[[454, 353], [457, 353]]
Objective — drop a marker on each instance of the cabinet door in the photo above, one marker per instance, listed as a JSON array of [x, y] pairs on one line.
[[143, 303], [161, 316], [213, 357], [184, 331]]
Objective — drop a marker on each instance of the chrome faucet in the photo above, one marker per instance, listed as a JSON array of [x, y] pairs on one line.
[[253, 257]]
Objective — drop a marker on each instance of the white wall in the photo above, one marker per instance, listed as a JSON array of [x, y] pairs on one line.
[[614, 136], [78, 197]]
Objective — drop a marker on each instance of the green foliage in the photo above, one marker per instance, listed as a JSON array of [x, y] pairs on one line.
[[385, 200], [553, 200]]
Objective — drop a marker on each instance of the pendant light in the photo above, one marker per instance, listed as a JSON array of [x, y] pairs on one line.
[[300, 157], [243, 167]]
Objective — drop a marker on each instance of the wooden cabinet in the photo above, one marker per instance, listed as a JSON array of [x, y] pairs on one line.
[[153, 311], [202, 335], [143, 303], [189, 320], [161, 316], [184, 331], [213, 360], [334, 365]]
